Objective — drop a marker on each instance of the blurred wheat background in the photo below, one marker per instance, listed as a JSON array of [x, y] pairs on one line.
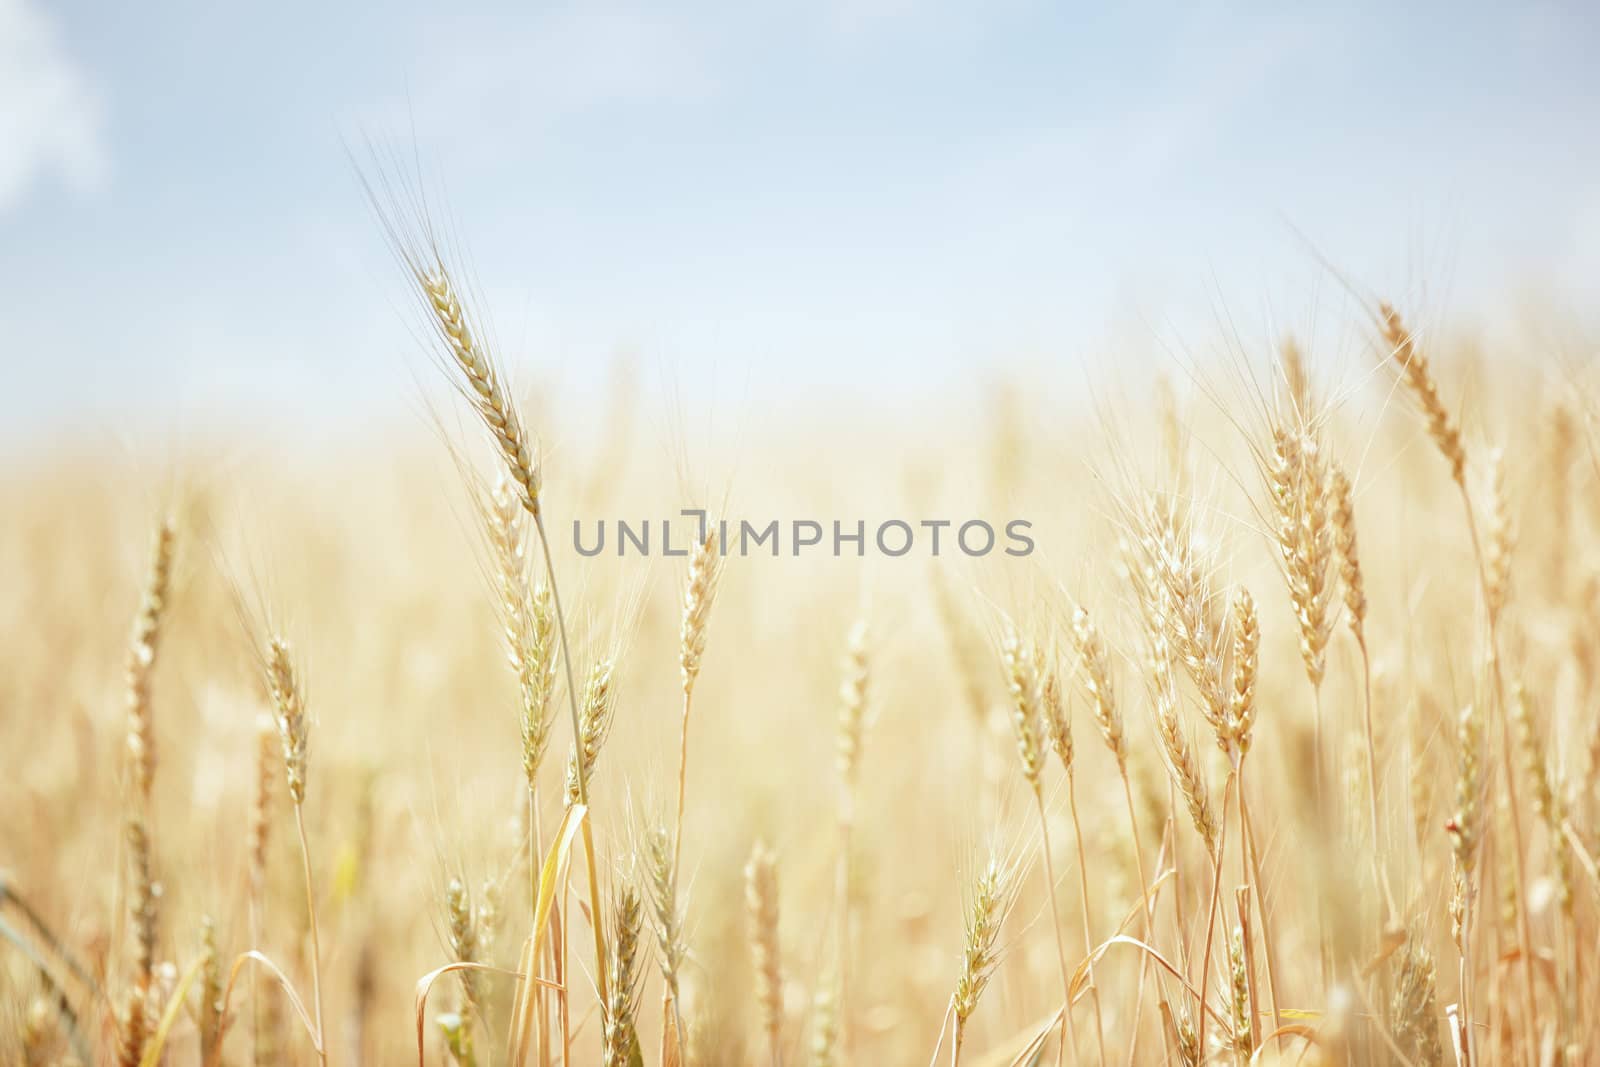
[[859, 718]]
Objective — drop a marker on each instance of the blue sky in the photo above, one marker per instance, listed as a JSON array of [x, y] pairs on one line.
[[881, 196]]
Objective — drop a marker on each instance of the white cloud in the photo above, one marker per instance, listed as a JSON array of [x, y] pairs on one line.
[[50, 115]]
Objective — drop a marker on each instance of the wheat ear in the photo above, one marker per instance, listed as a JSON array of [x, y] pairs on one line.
[[1020, 660], [990, 902], [294, 730], [761, 902], [619, 1036], [141, 663]]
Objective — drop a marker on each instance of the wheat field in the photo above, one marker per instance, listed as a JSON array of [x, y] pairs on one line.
[[1279, 747]]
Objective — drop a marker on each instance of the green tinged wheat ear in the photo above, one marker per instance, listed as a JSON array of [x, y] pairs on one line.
[[987, 907], [620, 1038], [1186, 1042], [1243, 1029]]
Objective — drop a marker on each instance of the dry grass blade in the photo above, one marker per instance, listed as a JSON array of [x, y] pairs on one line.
[[175, 1003], [261, 960], [425, 986], [550, 877]]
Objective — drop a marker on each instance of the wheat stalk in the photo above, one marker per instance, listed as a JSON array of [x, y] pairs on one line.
[[1060, 729], [294, 729], [1021, 662]]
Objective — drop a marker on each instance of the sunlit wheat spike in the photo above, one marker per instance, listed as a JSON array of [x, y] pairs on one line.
[[666, 917], [1180, 758], [1465, 828], [1175, 584], [1246, 649], [989, 902], [1415, 372], [1095, 676], [528, 621], [1300, 489], [1350, 579], [594, 725], [481, 379], [705, 569], [1021, 663], [1058, 721], [288, 702]]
